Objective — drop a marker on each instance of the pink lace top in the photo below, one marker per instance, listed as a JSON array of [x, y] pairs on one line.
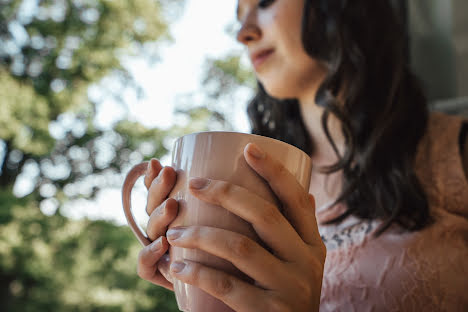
[[401, 271]]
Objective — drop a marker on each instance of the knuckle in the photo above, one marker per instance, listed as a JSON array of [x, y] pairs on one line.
[[316, 260], [270, 215], [143, 258], [171, 174], [149, 209], [170, 208], [152, 229], [304, 202], [280, 170], [151, 203], [317, 254], [224, 189], [152, 233], [242, 246], [142, 267], [323, 251], [302, 285], [142, 273], [141, 255], [194, 233], [311, 199], [223, 286], [194, 275]]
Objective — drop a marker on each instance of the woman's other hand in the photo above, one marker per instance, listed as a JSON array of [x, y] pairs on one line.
[[289, 278], [153, 261]]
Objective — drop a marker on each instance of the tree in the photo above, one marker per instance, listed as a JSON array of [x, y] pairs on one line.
[[49, 263], [227, 84], [51, 52]]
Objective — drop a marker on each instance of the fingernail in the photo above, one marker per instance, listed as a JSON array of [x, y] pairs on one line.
[[159, 177], [174, 233], [161, 209], [177, 267], [199, 183], [149, 169], [255, 151], [156, 245]]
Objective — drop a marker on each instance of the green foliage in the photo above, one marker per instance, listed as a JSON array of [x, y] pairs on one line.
[[66, 46], [227, 83], [50, 263], [50, 54], [24, 116], [224, 76]]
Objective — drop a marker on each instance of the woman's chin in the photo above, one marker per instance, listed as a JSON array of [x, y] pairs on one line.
[[279, 92]]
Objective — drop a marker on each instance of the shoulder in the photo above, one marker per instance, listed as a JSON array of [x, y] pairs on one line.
[[442, 159]]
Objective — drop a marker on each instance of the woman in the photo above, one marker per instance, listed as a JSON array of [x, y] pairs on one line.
[[388, 181]]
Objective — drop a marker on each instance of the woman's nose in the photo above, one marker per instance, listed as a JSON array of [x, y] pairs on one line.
[[249, 32]]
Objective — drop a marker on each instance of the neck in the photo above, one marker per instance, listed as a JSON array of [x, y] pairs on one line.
[[322, 150]]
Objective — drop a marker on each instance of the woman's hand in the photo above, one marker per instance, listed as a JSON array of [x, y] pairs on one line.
[[290, 278], [153, 262]]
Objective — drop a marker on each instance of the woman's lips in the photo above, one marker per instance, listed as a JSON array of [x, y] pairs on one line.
[[261, 57]]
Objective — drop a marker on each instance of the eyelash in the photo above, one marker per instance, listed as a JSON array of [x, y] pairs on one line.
[[265, 3]]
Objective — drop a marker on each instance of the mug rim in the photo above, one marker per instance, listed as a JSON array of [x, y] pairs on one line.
[[239, 133]]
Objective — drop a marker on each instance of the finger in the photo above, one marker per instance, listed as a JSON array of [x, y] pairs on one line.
[[160, 188], [245, 254], [154, 167], [270, 225], [237, 294], [148, 258], [164, 267], [161, 217], [298, 207]]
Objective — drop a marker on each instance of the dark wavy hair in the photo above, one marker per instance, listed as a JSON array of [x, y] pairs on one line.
[[383, 113]]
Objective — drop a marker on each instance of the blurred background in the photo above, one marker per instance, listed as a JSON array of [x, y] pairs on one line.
[[88, 88]]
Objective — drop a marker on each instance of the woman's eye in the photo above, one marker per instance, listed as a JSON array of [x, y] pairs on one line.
[[265, 3]]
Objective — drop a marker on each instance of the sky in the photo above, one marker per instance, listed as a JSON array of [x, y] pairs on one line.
[[199, 33]]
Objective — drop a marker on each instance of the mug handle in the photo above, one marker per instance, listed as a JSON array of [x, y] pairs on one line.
[[132, 176]]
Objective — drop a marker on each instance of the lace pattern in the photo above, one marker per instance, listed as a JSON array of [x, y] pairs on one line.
[[348, 236], [401, 271]]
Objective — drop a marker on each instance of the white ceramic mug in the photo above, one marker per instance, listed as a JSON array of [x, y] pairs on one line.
[[218, 156]]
